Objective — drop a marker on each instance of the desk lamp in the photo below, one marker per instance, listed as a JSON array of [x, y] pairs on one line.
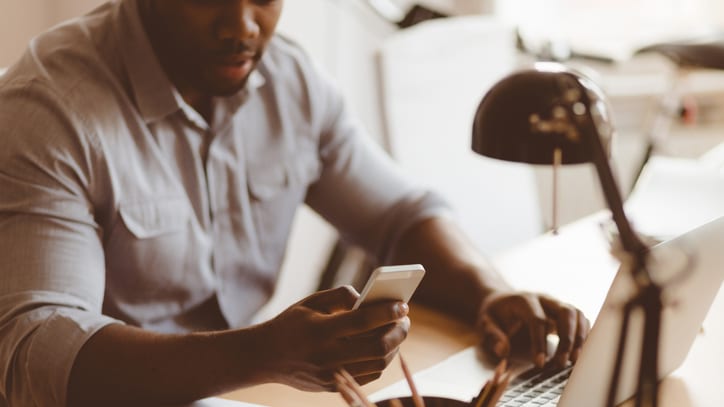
[[553, 115]]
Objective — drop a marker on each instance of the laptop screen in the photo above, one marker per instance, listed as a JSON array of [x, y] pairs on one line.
[[693, 266]]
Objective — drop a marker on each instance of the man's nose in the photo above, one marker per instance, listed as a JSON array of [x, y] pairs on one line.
[[240, 23]]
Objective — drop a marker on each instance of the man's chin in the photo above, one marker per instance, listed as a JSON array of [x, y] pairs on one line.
[[227, 80], [221, 88]]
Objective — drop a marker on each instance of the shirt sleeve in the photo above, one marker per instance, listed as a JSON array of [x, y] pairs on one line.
[[361, 190], [52, 269]]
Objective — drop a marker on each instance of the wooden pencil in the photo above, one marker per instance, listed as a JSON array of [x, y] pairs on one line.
[[416, 398]]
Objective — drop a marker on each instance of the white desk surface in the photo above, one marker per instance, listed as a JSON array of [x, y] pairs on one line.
[[219, 402]]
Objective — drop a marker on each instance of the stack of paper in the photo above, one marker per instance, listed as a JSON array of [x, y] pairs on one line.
[[219, 402]]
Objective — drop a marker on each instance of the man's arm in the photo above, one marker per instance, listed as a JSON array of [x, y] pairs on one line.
[[122, 365], [462, 282]]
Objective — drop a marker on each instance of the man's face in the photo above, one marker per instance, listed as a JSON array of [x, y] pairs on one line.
[[209, 47]]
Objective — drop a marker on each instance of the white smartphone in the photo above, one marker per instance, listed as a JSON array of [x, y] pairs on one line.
[[391, 283]]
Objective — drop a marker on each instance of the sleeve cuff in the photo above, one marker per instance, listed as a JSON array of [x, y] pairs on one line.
[[50, 353]]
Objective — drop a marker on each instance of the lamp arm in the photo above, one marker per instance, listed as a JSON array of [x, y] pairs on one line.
[[630, 241], [648, 296]]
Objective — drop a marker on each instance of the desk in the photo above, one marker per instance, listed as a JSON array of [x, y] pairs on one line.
[[574, 266]]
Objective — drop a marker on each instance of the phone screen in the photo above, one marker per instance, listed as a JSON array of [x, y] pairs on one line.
[[391, 283]]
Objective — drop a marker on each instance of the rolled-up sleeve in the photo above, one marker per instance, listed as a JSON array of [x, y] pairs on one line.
[[361, 190], [52, 272]]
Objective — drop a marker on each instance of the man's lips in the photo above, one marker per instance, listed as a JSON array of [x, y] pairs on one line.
[[234, 72], [234, 67], [236, 59]]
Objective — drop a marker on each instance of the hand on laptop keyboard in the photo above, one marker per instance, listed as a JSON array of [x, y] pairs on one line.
[[519, 323]]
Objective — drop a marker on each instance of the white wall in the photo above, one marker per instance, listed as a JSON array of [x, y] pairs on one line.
[[20, 20], [64, 9]]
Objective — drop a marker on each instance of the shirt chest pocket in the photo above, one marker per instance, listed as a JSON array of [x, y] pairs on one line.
[[276, 190], [155, 218], [151, 251], [270, 179]]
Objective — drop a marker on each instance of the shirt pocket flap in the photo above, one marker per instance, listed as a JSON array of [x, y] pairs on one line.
[[265, 183], [155, 218]]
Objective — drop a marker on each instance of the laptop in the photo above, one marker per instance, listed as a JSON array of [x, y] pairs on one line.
[[686, 302]]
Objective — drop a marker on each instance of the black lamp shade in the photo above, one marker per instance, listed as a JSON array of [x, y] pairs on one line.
[[509, 121]]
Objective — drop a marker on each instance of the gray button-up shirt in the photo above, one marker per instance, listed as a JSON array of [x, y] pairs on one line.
[[120, 204]]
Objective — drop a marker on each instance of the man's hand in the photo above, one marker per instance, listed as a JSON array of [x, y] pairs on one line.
[[509, 320], [307, 343]]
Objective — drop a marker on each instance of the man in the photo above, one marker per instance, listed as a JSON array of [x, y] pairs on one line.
[[152, 157]]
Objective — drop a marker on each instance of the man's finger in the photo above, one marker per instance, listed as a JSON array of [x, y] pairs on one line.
[[537, 330], [380, 344], [368, 367], [332, 300], [494, 339], [364, 319], [567, 328], [583, 327]]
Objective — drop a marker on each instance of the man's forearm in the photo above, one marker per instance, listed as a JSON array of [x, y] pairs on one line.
[[122, 365], [458, 277]]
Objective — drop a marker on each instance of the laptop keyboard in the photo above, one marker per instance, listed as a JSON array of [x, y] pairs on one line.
[[536, 388]]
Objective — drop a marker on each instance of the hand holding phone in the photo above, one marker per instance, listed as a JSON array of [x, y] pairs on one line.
[[391, 283]]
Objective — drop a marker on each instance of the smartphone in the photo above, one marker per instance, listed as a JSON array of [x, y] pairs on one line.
[[391, 283]]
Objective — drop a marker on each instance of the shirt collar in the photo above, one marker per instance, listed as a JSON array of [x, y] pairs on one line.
[[156, 97], [154, 93]]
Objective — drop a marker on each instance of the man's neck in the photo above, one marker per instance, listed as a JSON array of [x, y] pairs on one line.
[[203, 105]]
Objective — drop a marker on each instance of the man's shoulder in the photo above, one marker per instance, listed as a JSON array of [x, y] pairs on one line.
[[65, 79], [65, 60]]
